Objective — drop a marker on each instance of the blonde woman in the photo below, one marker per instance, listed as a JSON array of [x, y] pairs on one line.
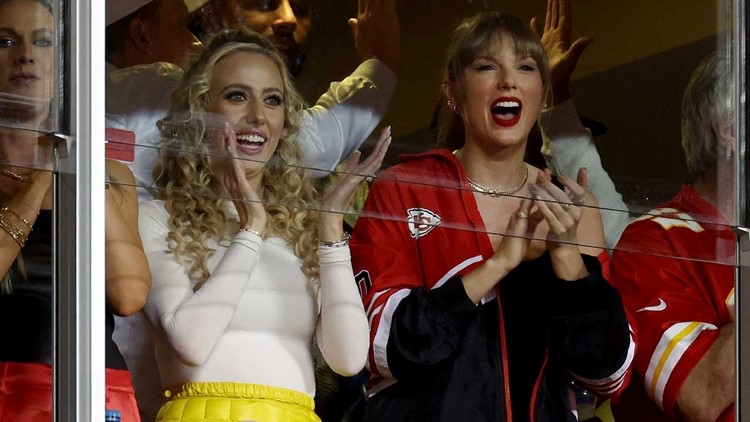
[[245, 270]]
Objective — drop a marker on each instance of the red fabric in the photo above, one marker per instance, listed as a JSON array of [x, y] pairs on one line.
[[26, 393], [121, 395], [673, 266]]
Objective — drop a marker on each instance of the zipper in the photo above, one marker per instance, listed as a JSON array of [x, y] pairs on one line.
[[504, 350], [535, 391]]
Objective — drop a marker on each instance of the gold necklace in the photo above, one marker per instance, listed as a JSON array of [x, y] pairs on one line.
[[15, 176], [495, 192]]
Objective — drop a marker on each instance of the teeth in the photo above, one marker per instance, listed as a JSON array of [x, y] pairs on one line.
[[256, 139], [507, 104]]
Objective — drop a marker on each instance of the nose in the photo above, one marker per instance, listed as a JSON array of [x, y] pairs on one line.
[[23, 53], [285, 22], [256, 114], [507, 80]]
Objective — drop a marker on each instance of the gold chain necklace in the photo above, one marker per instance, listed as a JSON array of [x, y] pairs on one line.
[[497, 191], [15, 176]]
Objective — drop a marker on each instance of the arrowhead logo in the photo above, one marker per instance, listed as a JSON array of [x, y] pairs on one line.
[[421, 221], [656, 308]]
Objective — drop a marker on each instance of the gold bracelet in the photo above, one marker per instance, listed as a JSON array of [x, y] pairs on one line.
[[344, 241], [26, 205], [18, 237], [255, 232], [17, 215], [13, 226]]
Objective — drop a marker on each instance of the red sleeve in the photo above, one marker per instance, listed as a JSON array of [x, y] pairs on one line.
[[659, 293], [385, 263]]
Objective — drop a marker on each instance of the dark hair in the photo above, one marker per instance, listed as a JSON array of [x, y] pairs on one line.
[[472, 38], [117, 32]]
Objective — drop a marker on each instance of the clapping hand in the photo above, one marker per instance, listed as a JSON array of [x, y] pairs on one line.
[[250, 209], [338, 195]]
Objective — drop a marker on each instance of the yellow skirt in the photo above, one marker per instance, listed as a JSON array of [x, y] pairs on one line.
[[231, 401]]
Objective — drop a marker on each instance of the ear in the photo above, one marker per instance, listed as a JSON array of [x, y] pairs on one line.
[[139, 35], [727, 139], [449, 90]]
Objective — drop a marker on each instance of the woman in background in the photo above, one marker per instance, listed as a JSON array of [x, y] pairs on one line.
[[27, 72]]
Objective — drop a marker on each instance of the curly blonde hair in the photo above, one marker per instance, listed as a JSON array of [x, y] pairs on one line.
[[188, 176]]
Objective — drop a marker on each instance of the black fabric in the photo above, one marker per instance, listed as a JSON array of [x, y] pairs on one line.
[[26, 313], [446, 353]]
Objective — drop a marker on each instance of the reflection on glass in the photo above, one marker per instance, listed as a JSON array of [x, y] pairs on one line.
[[27, 70], [26, 64], [684, 308]]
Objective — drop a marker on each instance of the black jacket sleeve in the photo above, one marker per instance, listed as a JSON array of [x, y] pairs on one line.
[[427, 327], [590, 331]]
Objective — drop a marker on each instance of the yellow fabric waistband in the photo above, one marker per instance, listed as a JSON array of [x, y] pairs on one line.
[[240, 391]]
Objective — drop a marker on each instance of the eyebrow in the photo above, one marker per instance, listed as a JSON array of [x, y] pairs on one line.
[[248, 88], [36, 32]]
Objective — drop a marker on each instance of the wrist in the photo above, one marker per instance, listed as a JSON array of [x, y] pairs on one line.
[[567, 262]]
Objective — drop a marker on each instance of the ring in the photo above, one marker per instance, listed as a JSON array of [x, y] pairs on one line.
[[370, 178], [566, 206], [579, 199], [521, 214]]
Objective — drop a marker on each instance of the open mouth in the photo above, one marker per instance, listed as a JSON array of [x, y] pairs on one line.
[[506, 112], [251, 143]]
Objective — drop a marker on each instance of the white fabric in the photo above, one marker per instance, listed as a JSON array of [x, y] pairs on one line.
[[254, 319], [568, 146], [341, 120]]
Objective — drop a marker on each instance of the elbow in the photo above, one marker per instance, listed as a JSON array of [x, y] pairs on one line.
[[700, 411], [351, 359], [350, 366], [188, 352], [129, 299]]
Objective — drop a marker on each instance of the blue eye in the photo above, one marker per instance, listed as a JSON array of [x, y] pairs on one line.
[[275, 100], [43, 42], [236, 96]]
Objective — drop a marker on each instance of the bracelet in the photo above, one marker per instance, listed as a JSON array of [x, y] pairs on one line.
[[255, 232], [344, 241], [18, 235], [26, 205], [17, 215]]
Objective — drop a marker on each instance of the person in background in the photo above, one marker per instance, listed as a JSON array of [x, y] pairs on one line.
[[674, 267], [27, 74], [481, 304], [246, 271], [568, 145]]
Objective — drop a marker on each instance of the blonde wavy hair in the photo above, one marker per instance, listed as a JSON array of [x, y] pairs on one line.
[[188, 176]]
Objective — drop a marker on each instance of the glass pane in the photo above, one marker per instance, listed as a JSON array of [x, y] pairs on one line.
[[617, 110], [29, 96]]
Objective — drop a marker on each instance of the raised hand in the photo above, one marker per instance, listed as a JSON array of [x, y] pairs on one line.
[[563, 216], [246, 200], [338, 195], [376, 32], [556, 39]]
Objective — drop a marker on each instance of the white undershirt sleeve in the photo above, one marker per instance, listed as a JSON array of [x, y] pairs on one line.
[[190, 321], [342, 331]]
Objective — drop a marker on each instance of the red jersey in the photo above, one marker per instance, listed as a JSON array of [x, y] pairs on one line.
[[674, 268]]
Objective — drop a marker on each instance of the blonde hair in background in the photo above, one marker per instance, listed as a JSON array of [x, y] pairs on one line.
[[707, 104], [189, 179]]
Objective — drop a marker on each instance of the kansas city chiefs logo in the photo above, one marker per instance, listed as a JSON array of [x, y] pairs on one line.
[[421, 221]]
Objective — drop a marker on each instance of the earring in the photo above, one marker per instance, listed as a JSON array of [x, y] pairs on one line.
[[452, 106]]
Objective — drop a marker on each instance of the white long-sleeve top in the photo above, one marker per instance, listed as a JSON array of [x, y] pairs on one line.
[[254, 319], [338, 123], [568, 146]]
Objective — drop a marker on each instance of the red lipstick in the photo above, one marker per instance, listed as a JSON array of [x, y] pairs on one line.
[[506, 111]]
